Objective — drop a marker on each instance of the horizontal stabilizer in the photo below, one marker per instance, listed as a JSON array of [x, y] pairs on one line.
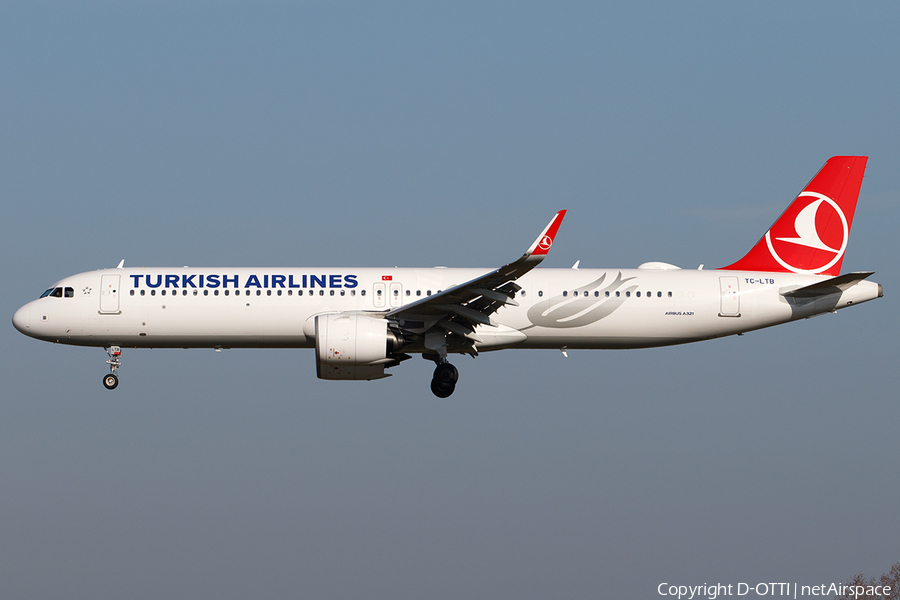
[[829, 286]]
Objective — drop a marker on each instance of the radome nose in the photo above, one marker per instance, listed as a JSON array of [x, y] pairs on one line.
[[22, 319]]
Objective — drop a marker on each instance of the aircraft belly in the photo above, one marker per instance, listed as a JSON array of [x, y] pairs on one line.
[[239, 325], [639, 325]]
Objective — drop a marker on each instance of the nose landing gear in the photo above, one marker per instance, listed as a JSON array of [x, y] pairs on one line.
[[444, 380], [111, 380]]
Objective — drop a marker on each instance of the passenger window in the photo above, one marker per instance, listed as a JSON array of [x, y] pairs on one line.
[[278, 292], [216, 293], [362, 292], [321, 292], [226, 292], [343, 292], [184, 293], [607, 294], [618, 294], [670, 294], [418, 292], [299, 292], [638, 294], [540, 293], [195, 292], [585, 294], [162, 293], [206, 292], [427, 292], [331, 292], [628, 294], [132, 292], [565, 293], [378, 292], [152, 292], [142, 292], [522, 293], [268, 292]]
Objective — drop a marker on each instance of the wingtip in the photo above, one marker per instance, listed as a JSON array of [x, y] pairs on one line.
[[544, 241]]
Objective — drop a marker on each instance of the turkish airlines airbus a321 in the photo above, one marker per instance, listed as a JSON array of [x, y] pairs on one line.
[[363, 321]]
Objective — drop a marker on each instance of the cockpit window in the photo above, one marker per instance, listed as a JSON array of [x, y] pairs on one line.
[[59, 293]]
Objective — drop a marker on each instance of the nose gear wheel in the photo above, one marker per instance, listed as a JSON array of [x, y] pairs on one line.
[[111, 380]]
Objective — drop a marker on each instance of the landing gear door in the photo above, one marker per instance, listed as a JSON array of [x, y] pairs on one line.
[[730, 299], [109, 294]]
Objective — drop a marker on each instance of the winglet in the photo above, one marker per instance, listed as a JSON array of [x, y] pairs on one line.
[[542, 244]]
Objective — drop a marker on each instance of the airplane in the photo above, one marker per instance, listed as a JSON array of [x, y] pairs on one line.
[[363, 321]]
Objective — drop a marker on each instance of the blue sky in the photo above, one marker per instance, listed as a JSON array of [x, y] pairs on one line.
[[419, 134]]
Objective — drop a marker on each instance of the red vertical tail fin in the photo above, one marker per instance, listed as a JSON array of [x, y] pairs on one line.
[[811, 235]]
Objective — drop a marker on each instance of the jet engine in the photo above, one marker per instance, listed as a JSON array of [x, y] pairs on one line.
[[351, 345]]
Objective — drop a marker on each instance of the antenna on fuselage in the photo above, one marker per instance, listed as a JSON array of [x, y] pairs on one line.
[[121, 264]]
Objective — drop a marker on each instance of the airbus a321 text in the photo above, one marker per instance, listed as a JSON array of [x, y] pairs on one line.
[[363, 321]]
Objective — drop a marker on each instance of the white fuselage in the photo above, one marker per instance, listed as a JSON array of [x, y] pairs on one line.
[[557, 308]]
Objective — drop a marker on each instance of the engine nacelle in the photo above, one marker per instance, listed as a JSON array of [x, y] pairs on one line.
[[352, 345]]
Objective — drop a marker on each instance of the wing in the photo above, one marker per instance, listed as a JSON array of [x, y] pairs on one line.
[[448, 319]]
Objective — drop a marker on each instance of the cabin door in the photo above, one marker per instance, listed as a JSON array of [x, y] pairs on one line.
[[730, 297], [109, 294]]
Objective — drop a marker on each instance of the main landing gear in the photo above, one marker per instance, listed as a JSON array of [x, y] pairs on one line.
[[444, 380], [111, 380]]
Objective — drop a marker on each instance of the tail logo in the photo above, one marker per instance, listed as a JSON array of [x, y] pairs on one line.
[[813, 222]]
